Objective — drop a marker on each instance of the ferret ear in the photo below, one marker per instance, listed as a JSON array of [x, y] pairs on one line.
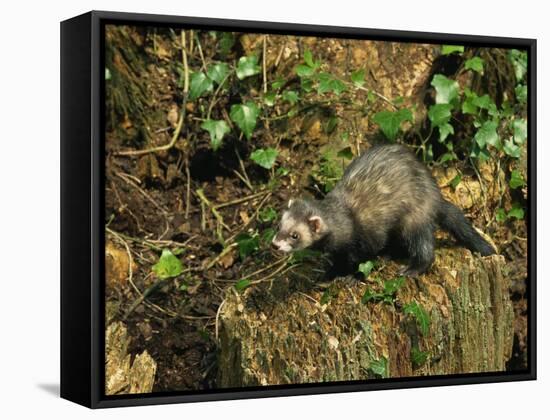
[[290, 202], [316, 224]]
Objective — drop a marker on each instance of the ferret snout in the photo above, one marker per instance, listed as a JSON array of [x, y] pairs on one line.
[[280, 245]]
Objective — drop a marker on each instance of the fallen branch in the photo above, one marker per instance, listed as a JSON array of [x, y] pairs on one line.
[[241, 200], [264, 63], [215, 212]]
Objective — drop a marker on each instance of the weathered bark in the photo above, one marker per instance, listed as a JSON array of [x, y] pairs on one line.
[[121, 377], [299, 340]]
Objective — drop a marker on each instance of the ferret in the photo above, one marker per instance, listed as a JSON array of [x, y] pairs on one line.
[[386, 198]]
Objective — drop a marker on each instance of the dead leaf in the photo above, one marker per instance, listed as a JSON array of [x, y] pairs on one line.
[[116, 265], [148, 168], [333, 342], [173, 115], [126, 123], [227, 260], [244, 216]]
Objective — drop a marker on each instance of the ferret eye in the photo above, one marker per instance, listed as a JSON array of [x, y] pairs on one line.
[[294, 235]]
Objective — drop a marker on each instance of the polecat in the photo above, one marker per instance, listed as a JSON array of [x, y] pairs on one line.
[[385, 198]]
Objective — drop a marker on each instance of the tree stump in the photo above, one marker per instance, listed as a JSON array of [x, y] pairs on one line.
[[296, 339], [121, 376]]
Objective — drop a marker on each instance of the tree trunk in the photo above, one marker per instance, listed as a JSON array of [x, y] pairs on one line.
[[300, 340]]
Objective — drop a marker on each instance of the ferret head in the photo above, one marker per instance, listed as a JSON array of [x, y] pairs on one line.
[[301, 226]]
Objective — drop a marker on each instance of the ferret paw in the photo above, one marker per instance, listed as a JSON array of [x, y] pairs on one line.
[[409, 271]]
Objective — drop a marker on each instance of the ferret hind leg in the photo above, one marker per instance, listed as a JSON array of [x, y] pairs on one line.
[[420, 244]]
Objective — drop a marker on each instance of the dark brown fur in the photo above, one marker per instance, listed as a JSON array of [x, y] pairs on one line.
[[385, 199]]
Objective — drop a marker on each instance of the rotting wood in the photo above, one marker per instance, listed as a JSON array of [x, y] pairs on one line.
[[121, 376], [299, 340]]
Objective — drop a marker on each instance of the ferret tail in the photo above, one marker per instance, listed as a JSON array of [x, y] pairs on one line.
[[452, 219]]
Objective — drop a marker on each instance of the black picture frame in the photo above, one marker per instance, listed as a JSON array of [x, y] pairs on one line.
[[82, 208]]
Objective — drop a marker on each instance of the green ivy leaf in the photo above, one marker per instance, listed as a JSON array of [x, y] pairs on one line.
[[480, 153], [444, 131], [217, 130], [519, 62], [199, 84], [306, 85], [418, 358], [325, 297], [483, 102], [218, 72], [475, 64], [247, 66], [290, 96], [369, 295], [241, 285], [516, 180], [520, 131], [328, 84], [511, 149], [446, 157], [248, 244], [178, 251], [420, 314], [487, 134], [446, 89], [329, 293], [455, 181], [516, 212], [345, 136], [168, 265], [521, 93], [451, 49], [267, 236], [308, 59], [472, 103], [392, 286], [366, 268], [269, 98], [264, 157], [107, 74], [390, 122], [358, 77], [278, 83], [245, 116], [331, 124], [501, 215], [282, 171], [379, 367], [507, 109], [468, 105], [338, 87], [345, 153], [268, 215], [226, 42], [303, 70], [440, 114]]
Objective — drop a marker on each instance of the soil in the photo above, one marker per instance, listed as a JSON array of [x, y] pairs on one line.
[[152, 201]]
